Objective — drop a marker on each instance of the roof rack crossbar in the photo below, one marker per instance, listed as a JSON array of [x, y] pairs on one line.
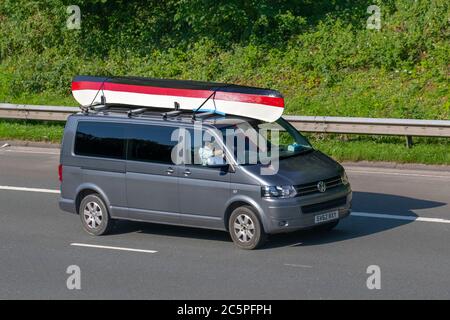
[[94, 108], [135, 112], [174, 113], [100, 107], [205, 115]]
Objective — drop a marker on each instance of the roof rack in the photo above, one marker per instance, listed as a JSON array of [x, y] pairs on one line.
[[102, 106], [98, 106], [135, 112], [174, 113], [204, 115]]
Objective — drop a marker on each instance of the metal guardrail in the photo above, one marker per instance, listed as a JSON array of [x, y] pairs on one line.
[[49, 113], [372, 126], [369, 126]]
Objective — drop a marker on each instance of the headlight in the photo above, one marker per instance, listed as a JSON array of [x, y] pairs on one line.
[[344, 178], [278, 192]]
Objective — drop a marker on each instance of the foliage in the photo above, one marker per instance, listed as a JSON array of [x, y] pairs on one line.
[[318, 53]]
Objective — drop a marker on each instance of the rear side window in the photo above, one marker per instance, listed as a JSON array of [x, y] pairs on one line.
[[150, 143], [100, 139]]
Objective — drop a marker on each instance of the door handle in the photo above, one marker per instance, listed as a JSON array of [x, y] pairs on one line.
[[169, 171], [187, 172]]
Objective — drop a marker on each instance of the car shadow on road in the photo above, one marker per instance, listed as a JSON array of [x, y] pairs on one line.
[[356, 226], [349, 228], [170, 231]]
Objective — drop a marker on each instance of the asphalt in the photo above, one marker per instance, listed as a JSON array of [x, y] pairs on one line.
[[401, 223]]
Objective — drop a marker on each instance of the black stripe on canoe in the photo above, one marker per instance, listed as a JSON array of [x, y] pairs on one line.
[[182, 84]]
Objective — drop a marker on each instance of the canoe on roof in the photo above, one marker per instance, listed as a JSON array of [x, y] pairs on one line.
[[252, 102]]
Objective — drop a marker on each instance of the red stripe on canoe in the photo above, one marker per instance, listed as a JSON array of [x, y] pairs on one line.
[[220, 95]]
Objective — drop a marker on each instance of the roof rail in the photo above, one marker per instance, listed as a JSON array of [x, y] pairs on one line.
[[196, 115]]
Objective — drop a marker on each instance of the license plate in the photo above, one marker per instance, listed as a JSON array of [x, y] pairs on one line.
[[326, 216]]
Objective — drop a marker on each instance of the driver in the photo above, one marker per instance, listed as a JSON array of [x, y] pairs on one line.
[[211, 154]]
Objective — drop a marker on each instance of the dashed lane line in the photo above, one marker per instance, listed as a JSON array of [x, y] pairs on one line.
[[111, 248]]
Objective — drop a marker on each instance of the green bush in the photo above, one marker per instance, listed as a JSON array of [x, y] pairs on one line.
[[318, 53]]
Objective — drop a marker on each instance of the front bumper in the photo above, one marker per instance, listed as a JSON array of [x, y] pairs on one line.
[[285, 215]]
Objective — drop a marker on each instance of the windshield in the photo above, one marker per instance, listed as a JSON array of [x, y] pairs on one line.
[[252, 140]]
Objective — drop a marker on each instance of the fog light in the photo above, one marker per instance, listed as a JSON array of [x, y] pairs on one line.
[[283, 223]]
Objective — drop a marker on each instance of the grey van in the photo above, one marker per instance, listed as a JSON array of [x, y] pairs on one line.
[[117, 165]]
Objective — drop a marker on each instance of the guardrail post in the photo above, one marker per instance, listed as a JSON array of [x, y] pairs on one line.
[[409, 141]]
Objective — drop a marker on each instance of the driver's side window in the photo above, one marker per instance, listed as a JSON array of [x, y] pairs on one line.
[[205, 150]]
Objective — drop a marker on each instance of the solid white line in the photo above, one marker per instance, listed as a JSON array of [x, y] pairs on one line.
[[399, 174], [33, 152], [29, 189], [398, 217], [111, 248]]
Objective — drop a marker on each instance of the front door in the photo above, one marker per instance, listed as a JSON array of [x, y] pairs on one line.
[[203, 191]]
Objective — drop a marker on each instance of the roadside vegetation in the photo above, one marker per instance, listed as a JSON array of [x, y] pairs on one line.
[[318, 53]]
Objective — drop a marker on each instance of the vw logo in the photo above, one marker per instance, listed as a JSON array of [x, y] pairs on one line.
[[321, 186]]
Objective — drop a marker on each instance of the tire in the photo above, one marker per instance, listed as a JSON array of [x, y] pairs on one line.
[[246, 229], [327, 227], [95, 216]]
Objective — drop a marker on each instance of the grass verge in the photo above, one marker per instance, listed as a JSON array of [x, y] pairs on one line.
[[381, 148], [31, 130]]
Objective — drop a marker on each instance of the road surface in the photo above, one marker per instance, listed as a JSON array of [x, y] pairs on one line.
[[400, 223]]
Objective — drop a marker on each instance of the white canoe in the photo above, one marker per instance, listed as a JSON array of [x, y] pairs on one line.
[[251, 102]]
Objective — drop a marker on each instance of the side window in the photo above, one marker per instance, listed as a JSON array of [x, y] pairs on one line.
[[150, 143], [100, 139]]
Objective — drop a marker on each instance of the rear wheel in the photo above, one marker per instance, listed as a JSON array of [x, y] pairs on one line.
[[245, 228], [94, 215]]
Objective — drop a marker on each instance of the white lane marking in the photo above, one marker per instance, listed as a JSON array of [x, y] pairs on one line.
[[29, 189], [398, 217], [111, 248], [356, 214], [297, 265], [32, 152], [399, 174]]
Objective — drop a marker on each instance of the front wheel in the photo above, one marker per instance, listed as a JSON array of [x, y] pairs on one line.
[[245, 228]]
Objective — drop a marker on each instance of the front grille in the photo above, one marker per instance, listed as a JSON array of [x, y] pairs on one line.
[[311, 188], [330, 204]]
